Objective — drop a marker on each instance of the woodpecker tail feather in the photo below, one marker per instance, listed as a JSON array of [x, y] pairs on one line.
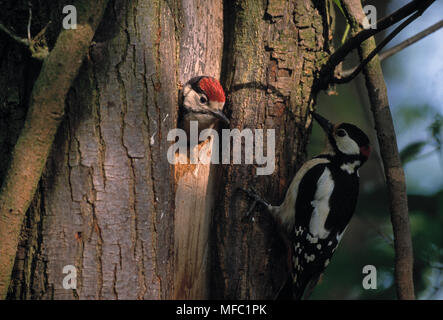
[[310, 286], [298, 288], [304, 286], [285, 291]]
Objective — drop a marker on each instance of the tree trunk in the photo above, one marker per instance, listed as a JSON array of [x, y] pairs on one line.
[[200, 54], [110, 204], [276, 48], [107, 194]]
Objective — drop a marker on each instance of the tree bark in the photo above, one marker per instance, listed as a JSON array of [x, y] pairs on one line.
[[106, 202], [34, 143], [110, 204], [201, 50], [107, 194], [275, 48]]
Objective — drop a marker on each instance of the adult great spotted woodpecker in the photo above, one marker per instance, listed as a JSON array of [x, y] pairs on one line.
[[320, 202], [203, 99]]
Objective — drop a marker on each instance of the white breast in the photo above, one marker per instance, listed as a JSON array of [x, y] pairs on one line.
[[325, 186]]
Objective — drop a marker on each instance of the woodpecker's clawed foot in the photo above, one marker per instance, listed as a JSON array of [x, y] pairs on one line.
[[252, 193]]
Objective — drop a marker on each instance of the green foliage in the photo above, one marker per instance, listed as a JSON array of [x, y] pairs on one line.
[[348, 26], [411, 151], [436, 130], [411, 114], [338, 4]]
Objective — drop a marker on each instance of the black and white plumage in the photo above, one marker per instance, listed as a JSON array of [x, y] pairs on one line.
[[320, 202], [203, 99]]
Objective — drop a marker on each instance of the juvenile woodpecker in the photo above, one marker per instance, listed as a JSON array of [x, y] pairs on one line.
[[203, 99], [320, 202]]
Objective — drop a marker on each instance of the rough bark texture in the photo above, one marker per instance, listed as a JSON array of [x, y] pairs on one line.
[[394, 173], [107, 195], [275, 48], [44, 116], [17, 76], [201, 48], [106, 200]]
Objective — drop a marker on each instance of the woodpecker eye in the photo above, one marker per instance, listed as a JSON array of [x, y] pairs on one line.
[[203, 100], [341, 133]]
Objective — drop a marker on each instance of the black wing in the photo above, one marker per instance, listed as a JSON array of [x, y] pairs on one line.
[[343, 200], [310, 254], [306, 194]]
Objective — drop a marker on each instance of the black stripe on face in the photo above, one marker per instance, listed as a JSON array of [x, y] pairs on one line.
[[194, 83], [355, 133]]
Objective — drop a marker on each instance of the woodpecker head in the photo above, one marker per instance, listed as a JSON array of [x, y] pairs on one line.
[[204, 98], [345, 138]]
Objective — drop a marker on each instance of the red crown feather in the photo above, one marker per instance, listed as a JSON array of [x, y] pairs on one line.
[[213, 89]]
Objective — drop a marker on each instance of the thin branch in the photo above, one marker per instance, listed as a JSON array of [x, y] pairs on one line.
[[394, 173], [345, 34], [38, 51], [349, 75], [13, 36], [29, 22], [338, 56], [388, 53]]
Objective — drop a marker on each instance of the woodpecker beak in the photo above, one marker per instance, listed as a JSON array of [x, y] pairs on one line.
[[221, 116], [326, 125]]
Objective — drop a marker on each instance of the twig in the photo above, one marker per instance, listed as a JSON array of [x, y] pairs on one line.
[[38, 51], [38, 48], [349, 75], [345, 34], [29, 22], [13, 36], [388, 53], [395, 177], [338, 56]]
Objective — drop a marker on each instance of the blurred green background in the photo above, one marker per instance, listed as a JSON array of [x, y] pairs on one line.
[[414, 78]]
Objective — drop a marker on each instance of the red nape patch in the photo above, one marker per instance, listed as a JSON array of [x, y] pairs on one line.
[[213, 89], [366, 150]]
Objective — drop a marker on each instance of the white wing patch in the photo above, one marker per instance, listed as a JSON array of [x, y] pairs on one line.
[[325, 186], [350, 166], [286, 211], [311, 239], [309, 258]]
